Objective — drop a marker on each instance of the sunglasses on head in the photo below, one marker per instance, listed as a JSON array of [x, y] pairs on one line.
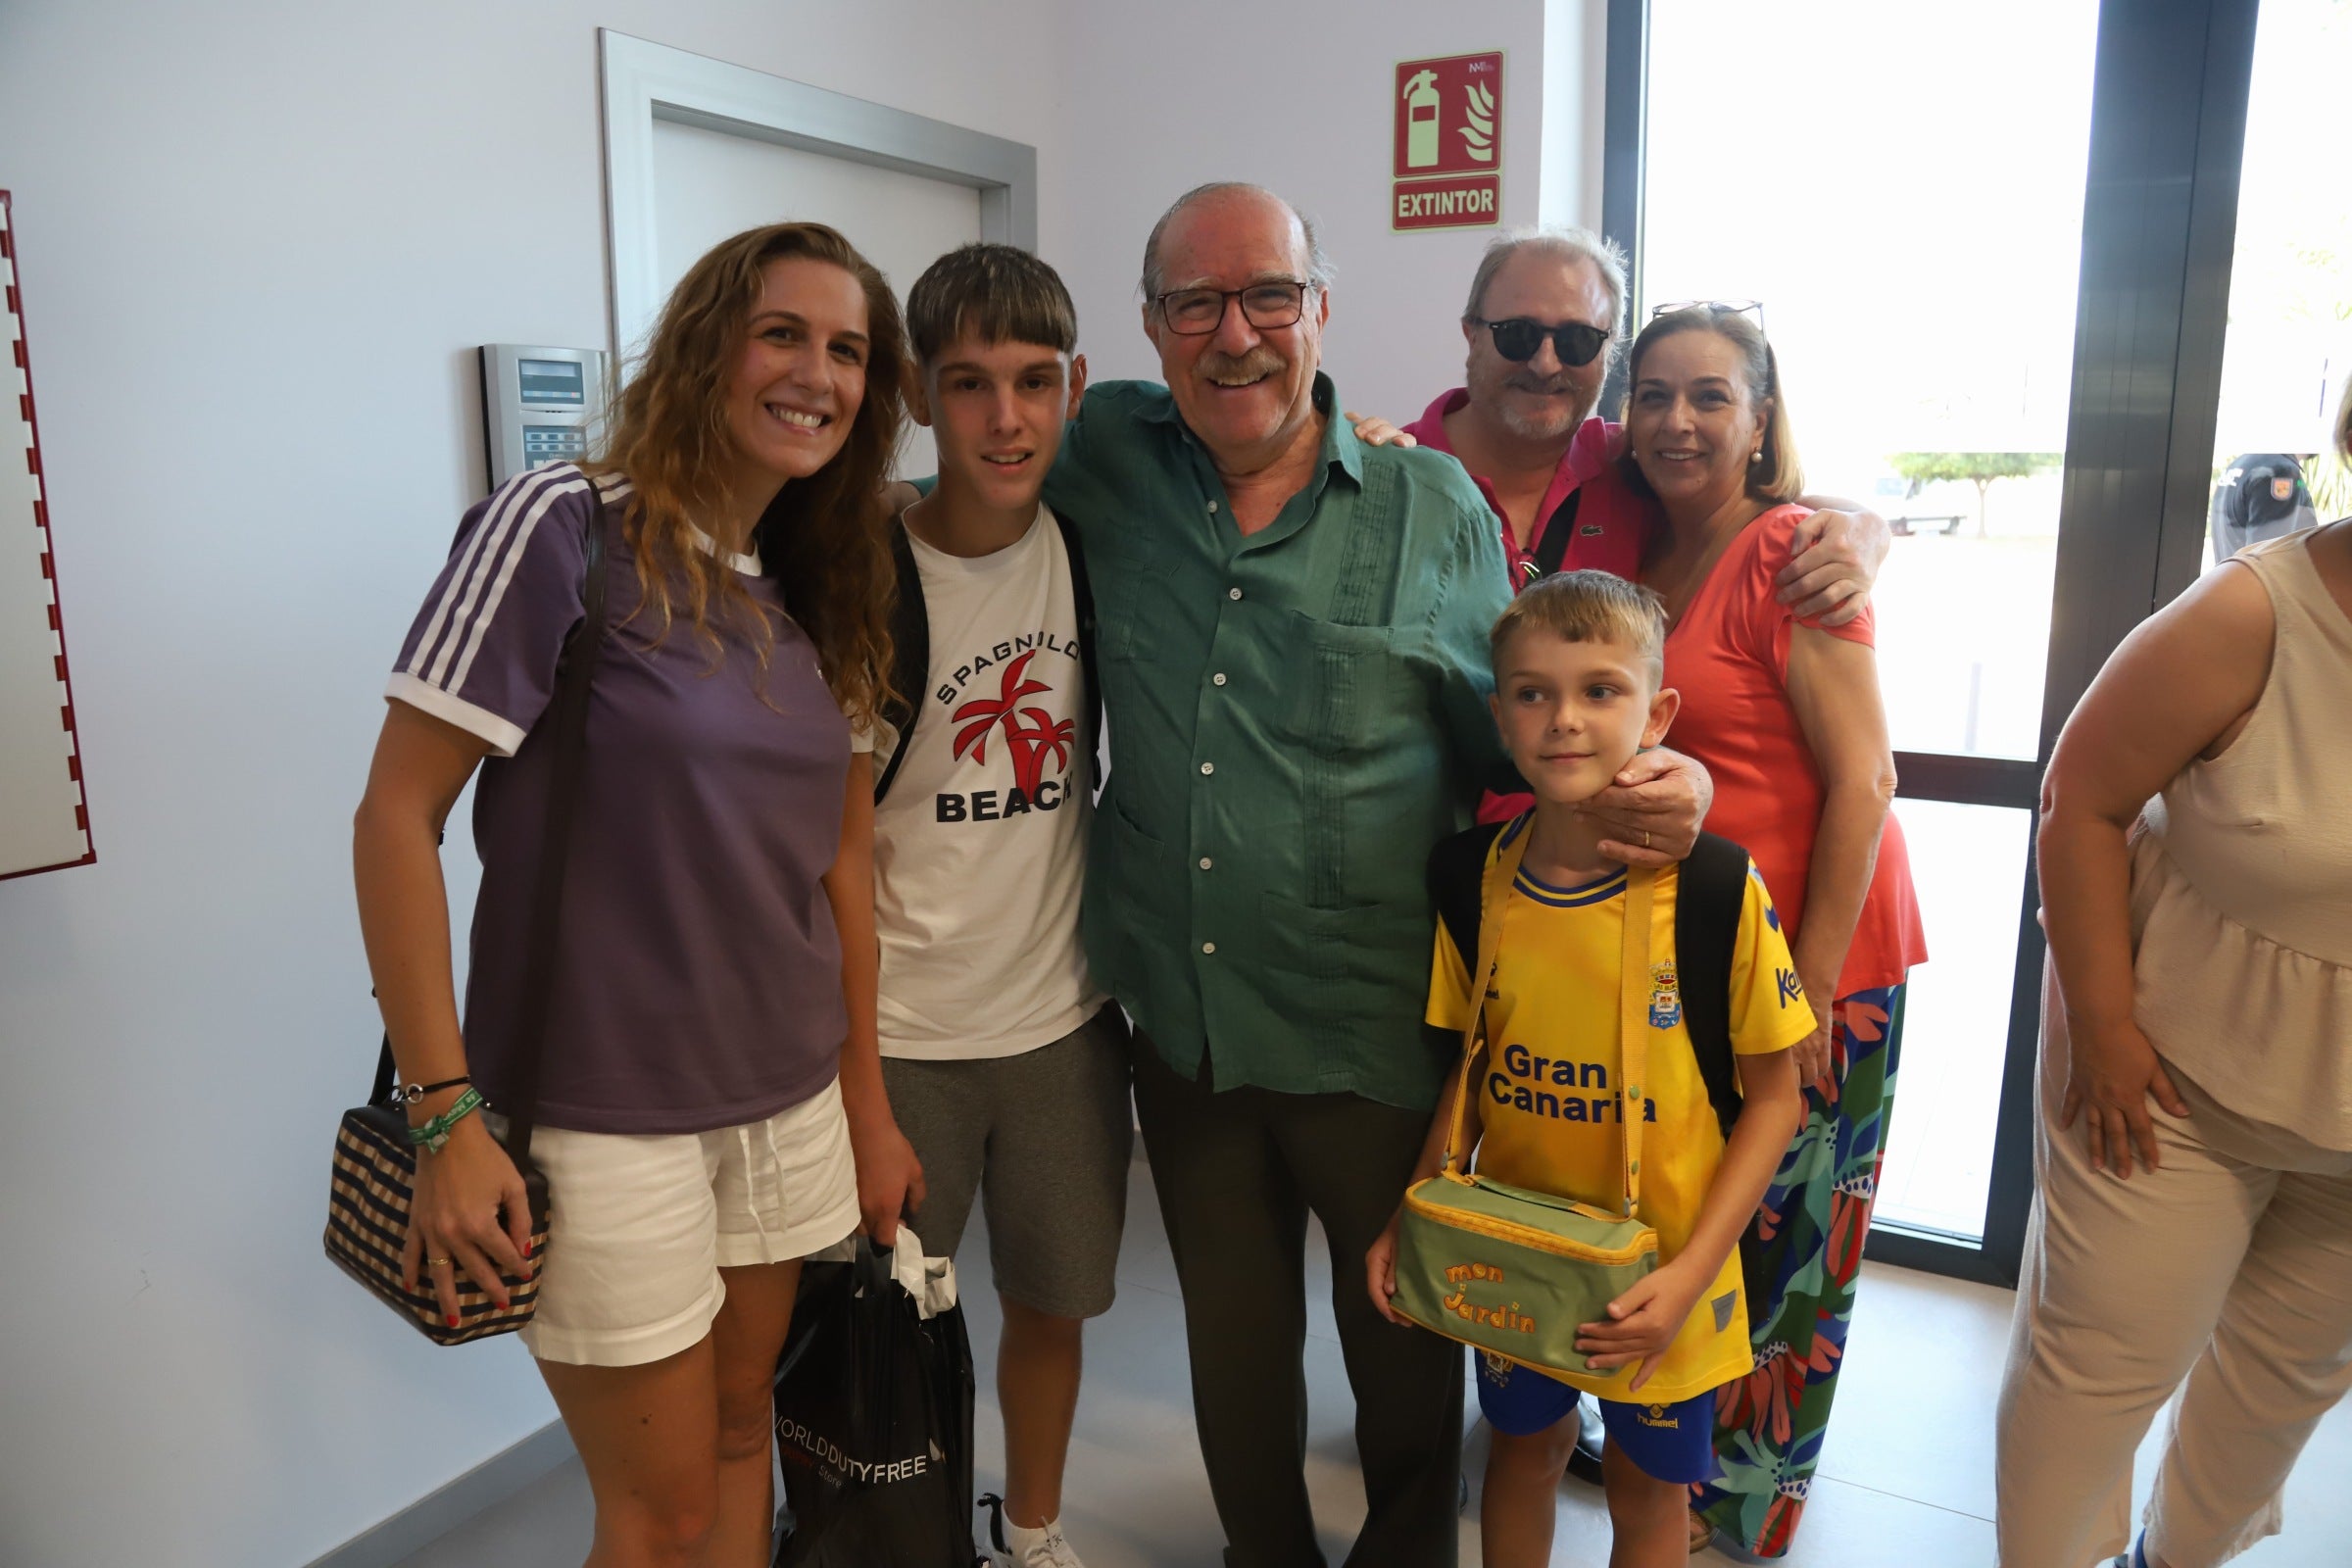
[[1518, 338], [1754, 307]]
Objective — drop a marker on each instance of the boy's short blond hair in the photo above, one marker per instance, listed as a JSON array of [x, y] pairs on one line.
[[1588, 607]]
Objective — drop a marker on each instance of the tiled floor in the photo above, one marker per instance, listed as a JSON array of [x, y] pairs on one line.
[[1907, 1476]]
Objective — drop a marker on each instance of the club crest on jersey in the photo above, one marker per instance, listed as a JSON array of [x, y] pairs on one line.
[[1665, 997]]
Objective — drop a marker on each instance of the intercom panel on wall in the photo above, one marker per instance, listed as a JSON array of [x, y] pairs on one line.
[[43, 823], [539, 405]]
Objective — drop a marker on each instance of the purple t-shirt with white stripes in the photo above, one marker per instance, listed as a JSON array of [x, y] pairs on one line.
[[698, 973]]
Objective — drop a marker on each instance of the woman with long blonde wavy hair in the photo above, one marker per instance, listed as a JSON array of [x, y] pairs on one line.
[[709, 1106]]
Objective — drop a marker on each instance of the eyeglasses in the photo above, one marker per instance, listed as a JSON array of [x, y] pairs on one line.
[[1518, 338], [1267, 305], [1754, 307]]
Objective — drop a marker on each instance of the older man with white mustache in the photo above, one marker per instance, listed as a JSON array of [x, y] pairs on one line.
[[1294, 658]]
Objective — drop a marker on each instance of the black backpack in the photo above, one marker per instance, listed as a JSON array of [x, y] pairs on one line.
[[1709, 893], [910, 648]]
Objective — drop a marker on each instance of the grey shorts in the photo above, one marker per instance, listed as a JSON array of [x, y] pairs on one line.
[[1043, 1139]]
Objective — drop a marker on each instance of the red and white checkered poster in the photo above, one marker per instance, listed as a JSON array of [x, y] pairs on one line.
[[44, 824]]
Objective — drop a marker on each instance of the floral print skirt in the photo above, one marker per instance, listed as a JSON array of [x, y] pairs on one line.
[[1799, 1258]]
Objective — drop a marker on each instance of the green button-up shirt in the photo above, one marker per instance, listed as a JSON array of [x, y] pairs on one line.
[[1295, 718]]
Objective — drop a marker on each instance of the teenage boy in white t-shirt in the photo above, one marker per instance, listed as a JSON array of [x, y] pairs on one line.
[[1006, 1067]]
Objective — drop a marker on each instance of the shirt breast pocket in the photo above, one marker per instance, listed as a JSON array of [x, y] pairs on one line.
[[1342, 685], [1134, 615]]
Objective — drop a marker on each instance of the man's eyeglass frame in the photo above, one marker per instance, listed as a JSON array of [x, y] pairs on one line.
[[1228, 298]]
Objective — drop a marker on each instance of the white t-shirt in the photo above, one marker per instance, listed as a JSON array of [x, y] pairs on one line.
[[980, 845]]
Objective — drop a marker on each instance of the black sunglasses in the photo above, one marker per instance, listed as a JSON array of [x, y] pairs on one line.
[[1518, 338]]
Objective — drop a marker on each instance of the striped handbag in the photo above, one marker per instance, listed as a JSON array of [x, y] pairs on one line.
[[367, 1224], [375, 1172]]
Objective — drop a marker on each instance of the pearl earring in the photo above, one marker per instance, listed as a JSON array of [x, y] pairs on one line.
[[1755, 457]]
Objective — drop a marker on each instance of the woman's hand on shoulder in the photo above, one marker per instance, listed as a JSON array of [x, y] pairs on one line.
[[470, 1214], [2112, 1073], [1374, 431]]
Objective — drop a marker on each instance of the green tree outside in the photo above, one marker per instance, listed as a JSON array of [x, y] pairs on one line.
[[1980, 468], [2330, 482]]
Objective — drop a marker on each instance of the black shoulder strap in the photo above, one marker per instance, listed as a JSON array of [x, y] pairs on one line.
[[1083, 597], [910, 661], [1710, 891], [1457, 875], [575, 671], [1552, 547]]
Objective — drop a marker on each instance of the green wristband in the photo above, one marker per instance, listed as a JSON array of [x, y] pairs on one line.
[[434, 1134]]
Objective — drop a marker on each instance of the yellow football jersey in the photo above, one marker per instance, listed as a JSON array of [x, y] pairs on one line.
[[1548, 1087]]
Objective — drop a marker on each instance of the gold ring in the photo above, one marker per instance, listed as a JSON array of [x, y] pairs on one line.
[[439, 1262], [1646, 838]]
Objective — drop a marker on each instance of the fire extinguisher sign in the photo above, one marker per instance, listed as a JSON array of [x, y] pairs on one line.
[[1448, 168]]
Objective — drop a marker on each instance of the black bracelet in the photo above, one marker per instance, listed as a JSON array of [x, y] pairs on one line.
[[410, 1094]]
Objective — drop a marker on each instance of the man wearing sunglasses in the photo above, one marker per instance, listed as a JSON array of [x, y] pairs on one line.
[[1543, 327]]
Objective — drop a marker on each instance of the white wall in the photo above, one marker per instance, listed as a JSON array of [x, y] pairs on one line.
[[1296, 97], [260, 241], [1575, 56]]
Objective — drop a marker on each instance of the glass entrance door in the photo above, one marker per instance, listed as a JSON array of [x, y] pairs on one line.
[[2004, 256], [1903, 188], [2288, 360]]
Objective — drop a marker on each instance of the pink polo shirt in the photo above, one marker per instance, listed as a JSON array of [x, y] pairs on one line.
[[1612, 521]]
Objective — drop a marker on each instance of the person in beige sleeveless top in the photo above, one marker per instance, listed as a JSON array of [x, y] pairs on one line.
[[2194, 1146]]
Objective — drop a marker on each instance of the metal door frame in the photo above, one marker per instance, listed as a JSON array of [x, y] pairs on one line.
[[645, 81]]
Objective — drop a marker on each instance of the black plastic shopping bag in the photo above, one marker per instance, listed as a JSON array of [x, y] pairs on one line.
[[874, 1415]]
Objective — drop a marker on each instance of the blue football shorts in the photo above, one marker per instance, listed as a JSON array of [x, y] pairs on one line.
[[1665, 1441]]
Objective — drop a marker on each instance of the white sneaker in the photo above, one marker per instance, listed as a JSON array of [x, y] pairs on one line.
[[1018, 1546]]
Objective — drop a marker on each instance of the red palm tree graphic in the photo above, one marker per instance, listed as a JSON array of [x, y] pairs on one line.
[[1029, 747], [1029, 732]]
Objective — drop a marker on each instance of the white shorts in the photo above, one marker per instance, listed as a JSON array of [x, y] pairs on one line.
[[639, 1226]]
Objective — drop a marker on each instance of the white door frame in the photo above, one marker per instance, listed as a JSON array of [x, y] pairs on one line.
[[645, 82]]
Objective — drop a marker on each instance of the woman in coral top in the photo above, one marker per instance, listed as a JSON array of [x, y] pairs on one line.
[[1785, 715]]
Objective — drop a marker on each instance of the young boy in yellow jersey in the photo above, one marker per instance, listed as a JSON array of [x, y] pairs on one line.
[[1579, 668]]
